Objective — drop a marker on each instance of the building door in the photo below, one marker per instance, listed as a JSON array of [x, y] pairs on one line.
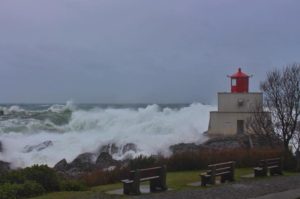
[[240, 126]]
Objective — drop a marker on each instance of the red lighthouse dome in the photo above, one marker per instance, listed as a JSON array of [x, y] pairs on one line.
[[239, 82]]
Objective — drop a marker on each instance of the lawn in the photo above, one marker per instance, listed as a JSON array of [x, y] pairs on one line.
[[175, 181]]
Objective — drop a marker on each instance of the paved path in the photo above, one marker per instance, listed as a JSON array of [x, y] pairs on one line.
[[277, 187], [244, 189], [290, 194]]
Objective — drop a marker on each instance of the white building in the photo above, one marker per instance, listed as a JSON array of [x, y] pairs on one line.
[[234, 108]]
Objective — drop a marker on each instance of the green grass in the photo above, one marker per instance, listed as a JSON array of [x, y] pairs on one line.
[[175, 181]]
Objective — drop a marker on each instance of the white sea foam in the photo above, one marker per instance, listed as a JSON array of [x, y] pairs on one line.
[[152, 129]]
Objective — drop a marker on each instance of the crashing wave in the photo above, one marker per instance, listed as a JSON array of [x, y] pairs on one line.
[[73, 130]]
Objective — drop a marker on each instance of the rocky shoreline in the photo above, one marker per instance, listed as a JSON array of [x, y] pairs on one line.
[[103, 159]]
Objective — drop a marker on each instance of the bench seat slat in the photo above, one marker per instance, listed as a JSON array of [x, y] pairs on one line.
[[258, 168], [149, 178], [127, 181], [220, 164], [222, 173], [272, 167]]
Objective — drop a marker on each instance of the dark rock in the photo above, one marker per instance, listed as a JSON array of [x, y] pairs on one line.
[[38, 147], [184, 147], [129, 147], [84, 162], [61, 165], [223, 143], [4, 166], [113, 148], [1, 148], [220, 142], [109, 148], [74, 172], [105, 160]]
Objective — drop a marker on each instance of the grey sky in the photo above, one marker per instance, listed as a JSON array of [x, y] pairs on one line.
[[126, 51]]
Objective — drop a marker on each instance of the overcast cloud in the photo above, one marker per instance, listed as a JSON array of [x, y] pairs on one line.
[[127, 51]]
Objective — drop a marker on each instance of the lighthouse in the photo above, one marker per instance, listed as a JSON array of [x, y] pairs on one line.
[[235, 108]]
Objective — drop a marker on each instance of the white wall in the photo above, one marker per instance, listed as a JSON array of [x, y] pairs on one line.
[[238, 102], [225, 123]]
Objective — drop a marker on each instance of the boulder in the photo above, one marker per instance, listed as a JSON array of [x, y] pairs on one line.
[[38, 147], [109, 148], [61, 165], [105, 160], [113, 148], [184, 147], [129, 147], [84, 162]]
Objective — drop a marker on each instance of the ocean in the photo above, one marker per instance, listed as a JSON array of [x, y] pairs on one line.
[[72, 129]]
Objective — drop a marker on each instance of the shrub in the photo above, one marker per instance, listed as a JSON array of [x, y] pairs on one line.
[[200, 159], [30, 189], [9, 191], [142, 162], [16, 176], [72, 185], [13, 191], [100, 177], [43, 175]]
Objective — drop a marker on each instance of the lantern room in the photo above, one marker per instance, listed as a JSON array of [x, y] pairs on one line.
[[239, 82]]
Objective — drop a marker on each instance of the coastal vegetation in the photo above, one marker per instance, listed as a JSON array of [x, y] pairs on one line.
[[33, 181]]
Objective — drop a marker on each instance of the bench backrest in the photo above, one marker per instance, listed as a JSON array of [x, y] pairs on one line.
[[270, 162], [221, 167], [148, 172]]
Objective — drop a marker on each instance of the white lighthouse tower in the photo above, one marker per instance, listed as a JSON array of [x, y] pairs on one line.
[[235, 107]]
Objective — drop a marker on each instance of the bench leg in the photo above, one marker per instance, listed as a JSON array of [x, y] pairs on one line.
[[157, 185], [260, 173], [131, 188], [223, 178], [126, 188], [204, 181], [154, 184], [135, 189], [274, 171], [163, 179]]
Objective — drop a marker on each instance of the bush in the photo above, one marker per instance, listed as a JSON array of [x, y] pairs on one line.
[[13, 191], [100, 177], [16, 176], [9, 191], [200, 159], [43, 175], [30, 189], [142, 162], [72, 185]]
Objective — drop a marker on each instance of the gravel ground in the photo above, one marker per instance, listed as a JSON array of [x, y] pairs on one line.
[[239, 190]]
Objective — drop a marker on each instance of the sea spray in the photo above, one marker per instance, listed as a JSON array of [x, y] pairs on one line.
[[151, 128]]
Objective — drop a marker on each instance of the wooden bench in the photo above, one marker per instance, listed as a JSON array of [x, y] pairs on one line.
[[224, 170], [273, 165], [156, 176]]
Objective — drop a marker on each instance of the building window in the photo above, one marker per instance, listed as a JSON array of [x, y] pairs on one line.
[[233, 82]]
